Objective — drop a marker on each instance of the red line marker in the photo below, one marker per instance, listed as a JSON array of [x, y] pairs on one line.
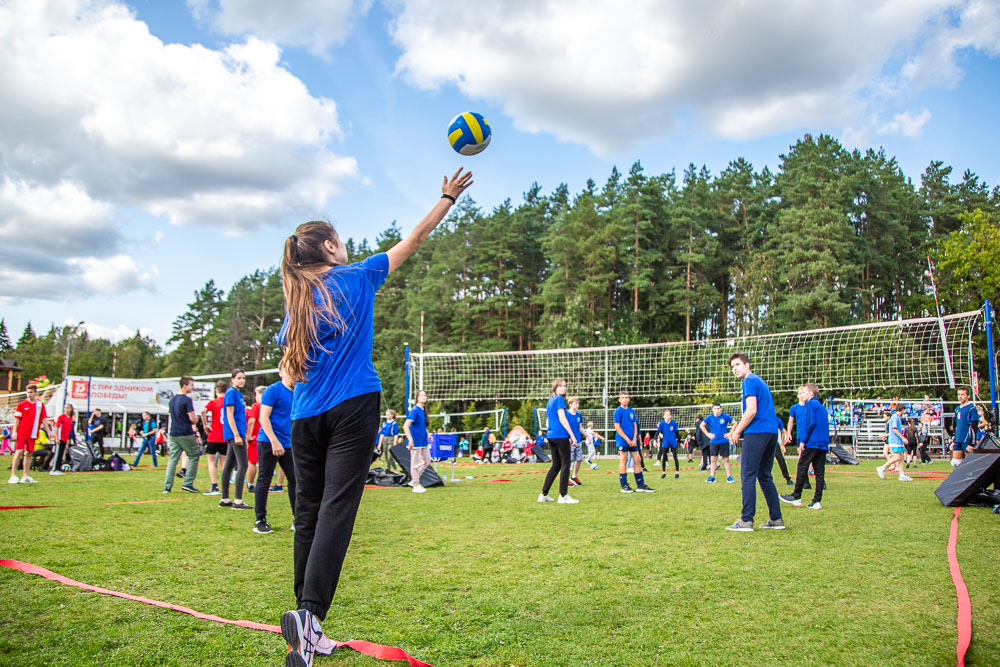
[[964, 619]]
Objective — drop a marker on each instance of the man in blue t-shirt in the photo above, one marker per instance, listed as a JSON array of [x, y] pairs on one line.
[[714, 428], [667, 430], [897, 444], [759, 428], [627, 440], [415, 428], [274, 447], [388, 436], [814, 443], [966, 424]]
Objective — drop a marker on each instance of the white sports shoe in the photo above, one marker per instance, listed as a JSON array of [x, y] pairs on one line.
[[28, 480], [57, 472], [567, 500], [881, 472], [542, 498], [419, 489], [301, 633], [905, 478], [13, 479]]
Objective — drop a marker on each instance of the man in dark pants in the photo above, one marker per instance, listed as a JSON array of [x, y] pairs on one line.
[[813, 446], [759, 427], [701, 442]]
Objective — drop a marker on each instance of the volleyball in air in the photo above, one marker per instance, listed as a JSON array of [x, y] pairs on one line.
[[469, 133]]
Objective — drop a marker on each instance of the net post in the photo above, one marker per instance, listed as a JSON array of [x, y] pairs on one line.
[[990, 360], [604, 403], [406, 376], [504, 432], [534, 423]]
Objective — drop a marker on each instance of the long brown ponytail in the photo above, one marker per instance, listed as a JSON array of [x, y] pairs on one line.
[[304, 262]]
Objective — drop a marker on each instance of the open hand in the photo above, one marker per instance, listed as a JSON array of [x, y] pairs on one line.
[[458, 184]]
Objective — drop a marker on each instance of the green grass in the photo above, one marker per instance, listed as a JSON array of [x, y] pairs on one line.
[[481, 574]]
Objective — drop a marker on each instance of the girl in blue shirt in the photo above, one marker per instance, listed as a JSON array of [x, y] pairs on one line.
[[234, 431], [327, 336], [559, 435]]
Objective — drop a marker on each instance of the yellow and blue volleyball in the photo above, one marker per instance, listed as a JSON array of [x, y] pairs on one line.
[[469, 133]]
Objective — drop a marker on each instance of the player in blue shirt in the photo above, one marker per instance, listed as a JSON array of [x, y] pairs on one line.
[[575, 449], [388, 436], [759, 428], [714, 428], [814, 443], [559, 435], [274, 446], [667, 430], [234, 431], [966, 423], [792, 436], [627, 440], [415, 428], [327, 335], [897, 444]]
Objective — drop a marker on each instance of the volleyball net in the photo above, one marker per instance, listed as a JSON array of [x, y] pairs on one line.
[[921, 352]]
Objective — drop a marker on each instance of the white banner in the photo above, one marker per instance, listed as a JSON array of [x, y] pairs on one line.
[[131, 396]]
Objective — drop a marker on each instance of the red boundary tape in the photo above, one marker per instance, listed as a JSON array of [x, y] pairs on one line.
[[964, 603], [378, 651]]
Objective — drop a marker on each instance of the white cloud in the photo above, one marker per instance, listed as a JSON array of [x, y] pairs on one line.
[[158, 236], [613, 73], [114, 334], [906, 124], [110, 275], [315, 24]]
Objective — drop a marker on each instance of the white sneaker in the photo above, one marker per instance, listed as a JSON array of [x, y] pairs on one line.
[[542, 498], [57, 472], [13, 479], [419, 489], [905, 478], [567, 500], [28, 480], [881, 472], [815, 506]]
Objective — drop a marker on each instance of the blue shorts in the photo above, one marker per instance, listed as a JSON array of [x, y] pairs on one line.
[[959, 446], [626, 448], [673, 446], [897, 449]]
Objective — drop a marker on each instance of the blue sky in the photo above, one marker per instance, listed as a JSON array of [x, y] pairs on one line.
[[151, 146]]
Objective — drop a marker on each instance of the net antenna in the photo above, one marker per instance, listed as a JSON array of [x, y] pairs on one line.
[[925, 352]]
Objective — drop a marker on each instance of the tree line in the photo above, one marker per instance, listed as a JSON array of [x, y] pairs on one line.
[[831, 237]]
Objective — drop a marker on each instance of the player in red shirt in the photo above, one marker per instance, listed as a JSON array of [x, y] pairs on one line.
[[65, 432], [253, 426], [211, 419], [29, 419]]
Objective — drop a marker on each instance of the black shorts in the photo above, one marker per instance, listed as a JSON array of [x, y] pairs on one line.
[[217, 448], [911, 446], [719, 449]]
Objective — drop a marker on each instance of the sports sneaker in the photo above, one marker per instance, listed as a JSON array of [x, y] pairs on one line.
[[663, 476], [214, 491], [57, 472], [419, 489], [627, 489], [677, 475], [710, 480], [325, 645], [741, 526], [190, 489], [729, 480], [577, 480], [902, 478], [28, 480], [814, 506], [182, 473], [567, 500], [791, 500], [542, 498], [276, 488], [789, 482], [262, 527], [644, 489], [881, 472], [13, 479], [166, 490], [572, 482], [225, 502], [807, 485], [240, 505], [250, 487], [774, 524], [301, 632]]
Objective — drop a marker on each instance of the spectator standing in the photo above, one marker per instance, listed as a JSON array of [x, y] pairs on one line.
[[181, 437], [98, 428]]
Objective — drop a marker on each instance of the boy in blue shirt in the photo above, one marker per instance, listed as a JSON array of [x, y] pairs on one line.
[[575, 449], [814, 443], [793, 436], [627, 440], [714, 428], [966, 423], [667, 430], [760, 428], [897, 444]]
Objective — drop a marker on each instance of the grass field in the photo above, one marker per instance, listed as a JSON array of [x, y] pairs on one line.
[[481, 574]]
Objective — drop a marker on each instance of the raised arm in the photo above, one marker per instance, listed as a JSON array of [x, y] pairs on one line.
[[450, 191]]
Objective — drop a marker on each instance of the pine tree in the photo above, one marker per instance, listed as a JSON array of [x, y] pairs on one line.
[[6, 347]]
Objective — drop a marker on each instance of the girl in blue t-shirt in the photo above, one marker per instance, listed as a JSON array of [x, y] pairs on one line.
[[559, 435], [327, 338]]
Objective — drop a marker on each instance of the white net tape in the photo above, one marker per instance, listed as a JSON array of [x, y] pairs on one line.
[[925, 352], [649, 418]]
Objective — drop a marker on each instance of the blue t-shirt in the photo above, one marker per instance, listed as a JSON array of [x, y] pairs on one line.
[[148, 431], [340, 367], [625, 417], [669, 431], [797, 412], [574, 419], [816, 431], [418, 427], [555, 428], [279, 398], [895, 422], [718, 426], [389, 429], [966, 423], [181, 406], [234, 397], [766, 419]]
